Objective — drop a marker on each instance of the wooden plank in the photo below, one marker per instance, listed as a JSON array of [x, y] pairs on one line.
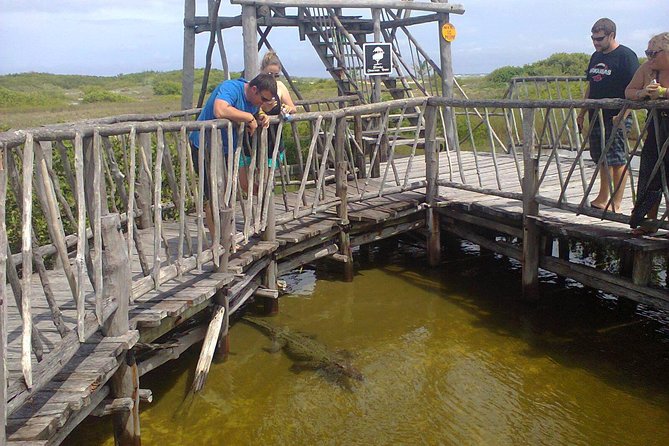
[[3, 294], [26, 251]]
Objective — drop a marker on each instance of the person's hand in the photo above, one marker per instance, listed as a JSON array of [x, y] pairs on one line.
[[651, 91], [251, 126], [288, 110], [616, 120], [264, 120], [579, 122]]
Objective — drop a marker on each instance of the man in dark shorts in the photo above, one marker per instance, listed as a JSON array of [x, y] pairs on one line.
[[611, 68], [238, 101]]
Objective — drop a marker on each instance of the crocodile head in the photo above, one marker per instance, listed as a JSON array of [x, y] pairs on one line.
[[345, 369]]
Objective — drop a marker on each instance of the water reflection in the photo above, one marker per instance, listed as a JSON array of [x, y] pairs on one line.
[[449, 355]]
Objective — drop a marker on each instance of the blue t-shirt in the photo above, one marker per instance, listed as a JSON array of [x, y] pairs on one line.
[[232, 92]]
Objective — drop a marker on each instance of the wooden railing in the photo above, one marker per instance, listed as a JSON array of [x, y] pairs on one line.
[[58, 183]]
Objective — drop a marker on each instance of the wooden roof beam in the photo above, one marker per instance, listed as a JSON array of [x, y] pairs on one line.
[[449, 8]]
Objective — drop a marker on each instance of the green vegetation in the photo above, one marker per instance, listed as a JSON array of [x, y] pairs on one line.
[[33, 99], [97, 94], [559, 64]]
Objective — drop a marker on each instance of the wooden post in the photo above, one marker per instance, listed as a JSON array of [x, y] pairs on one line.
[[117, 284], [271, 306], [188, 71], [447, 82], [222, 299], [432, 188], [3, 295], [342, 191], [143, 190], [249, 33], [359, 157], [376, 20], [376, 97], [531, 232]]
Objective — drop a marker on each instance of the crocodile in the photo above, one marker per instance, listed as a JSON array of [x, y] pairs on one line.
[[307, 353]]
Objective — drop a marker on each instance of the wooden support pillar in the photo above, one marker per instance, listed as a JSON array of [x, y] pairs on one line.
[[642, 268], [250, 36], [563, 248], [376, 21], [375, 170], [3, 295], [432, 189], [117, 284], [271, 306], [447, 82], [531, 232], [188, 70], [222, 299], [342, 193]]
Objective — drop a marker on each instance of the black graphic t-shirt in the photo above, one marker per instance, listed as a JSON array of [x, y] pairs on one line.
[[609, 74]]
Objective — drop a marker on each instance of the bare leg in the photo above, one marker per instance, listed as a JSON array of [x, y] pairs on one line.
[[244, 178], [603, 195], [209, 219], [648, 227], [616, 175]]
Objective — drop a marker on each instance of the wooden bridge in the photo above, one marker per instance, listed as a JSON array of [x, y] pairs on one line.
[[106, 256]]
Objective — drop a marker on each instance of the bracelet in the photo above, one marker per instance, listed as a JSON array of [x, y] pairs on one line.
[[662, 92]]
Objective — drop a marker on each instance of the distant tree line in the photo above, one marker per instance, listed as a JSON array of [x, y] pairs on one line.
[[559, 64]]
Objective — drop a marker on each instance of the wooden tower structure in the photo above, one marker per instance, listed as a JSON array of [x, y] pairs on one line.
[[337, 38]]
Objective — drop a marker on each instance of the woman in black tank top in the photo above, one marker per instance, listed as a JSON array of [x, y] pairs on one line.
[[283, 106], [651, 81]]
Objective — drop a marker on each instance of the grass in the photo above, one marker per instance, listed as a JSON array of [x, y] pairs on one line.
[[34, 99]]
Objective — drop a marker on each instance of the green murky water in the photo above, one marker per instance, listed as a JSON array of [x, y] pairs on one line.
[[450, 357]]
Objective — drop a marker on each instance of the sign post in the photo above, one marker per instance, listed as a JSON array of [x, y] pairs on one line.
[[377, 59]]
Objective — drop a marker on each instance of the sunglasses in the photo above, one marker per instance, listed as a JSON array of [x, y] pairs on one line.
[[651, 54], [598, 39], [275, 74], [264, 99]]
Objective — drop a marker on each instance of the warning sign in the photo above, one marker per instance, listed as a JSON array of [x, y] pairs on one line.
[[448, 32], [377, 58]]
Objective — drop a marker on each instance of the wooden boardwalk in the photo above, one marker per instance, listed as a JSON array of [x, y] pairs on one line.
[[80, 387]]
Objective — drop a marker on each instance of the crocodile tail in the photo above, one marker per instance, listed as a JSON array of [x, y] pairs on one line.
[[260, 324]]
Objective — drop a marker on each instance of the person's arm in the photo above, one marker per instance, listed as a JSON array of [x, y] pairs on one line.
[[223, 110], [581, 114], [643, 86], [635, 90], [286, 99]]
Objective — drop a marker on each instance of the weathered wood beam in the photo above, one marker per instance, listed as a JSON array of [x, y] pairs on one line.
[[201, 24], [188, 66], [396, 23], [160, 357], [117, 279], [112, 406], [208, 348], [531, 232], [451, 8], [3, 294], [307, 257]]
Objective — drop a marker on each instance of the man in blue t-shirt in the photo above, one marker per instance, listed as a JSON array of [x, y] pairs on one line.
[[238, 101], [611, 68]]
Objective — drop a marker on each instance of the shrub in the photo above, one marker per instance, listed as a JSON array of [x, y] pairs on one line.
[[166, 88], [504, 74], [95, 94], [20, 99]]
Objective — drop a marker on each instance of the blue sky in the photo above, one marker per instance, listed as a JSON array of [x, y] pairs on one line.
[[126, 36]]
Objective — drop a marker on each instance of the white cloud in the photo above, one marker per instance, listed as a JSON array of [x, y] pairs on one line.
[[94, 37]]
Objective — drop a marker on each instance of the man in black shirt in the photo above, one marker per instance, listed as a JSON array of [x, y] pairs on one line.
[[611, 68]]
